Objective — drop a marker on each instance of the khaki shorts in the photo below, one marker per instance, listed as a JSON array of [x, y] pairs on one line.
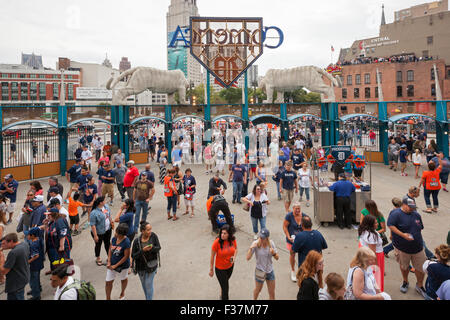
[[417, 260], [108, 188], [288, 195]]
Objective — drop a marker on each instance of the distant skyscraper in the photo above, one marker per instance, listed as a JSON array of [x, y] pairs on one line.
[[32, 61], [180, 58], [124, 64], [106, 62]]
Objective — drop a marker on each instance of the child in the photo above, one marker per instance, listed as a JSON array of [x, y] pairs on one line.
[[74, 217], [417, 161], [36, 261], [162, 167], [46, 150], [403, 159], [397, 203]]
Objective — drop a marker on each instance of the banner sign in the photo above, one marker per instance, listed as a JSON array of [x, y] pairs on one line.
[[341, 153], [177, 57], [226, 47]]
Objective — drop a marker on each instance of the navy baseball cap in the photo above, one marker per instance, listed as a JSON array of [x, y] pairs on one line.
[[33, 232], [264, 233], [409, 202]]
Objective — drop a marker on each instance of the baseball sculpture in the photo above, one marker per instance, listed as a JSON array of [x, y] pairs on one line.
[[143, 78], [309, 77]]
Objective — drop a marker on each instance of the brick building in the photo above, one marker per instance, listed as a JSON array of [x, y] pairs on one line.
[[23, 85], [400, 81]]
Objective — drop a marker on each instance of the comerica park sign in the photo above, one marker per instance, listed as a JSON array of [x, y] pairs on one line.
[[226, 47]]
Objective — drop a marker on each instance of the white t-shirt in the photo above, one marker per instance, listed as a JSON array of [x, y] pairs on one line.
[[273, 149], [64, 212], [303, 177], [70, 294], [86, 155], [417, 158], [186, 147], [368, 238], [58, 196], [98, 144], [262, 198]]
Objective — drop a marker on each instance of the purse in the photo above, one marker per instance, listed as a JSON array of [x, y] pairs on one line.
[[348, 295], [152, 264], [384, 239], [260, 275]]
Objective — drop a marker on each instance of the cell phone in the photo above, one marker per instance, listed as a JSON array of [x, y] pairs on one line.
[[150, 245]]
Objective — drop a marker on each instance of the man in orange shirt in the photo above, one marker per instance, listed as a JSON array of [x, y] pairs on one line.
[[107, 148], [74, 217], [431, 185], [170, 192]]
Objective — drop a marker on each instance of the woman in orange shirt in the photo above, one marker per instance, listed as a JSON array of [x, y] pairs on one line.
[[170, 192], [224, 250], [431, 186]]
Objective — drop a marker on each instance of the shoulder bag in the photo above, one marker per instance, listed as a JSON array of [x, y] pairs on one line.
[[348, 295], [152, 264]]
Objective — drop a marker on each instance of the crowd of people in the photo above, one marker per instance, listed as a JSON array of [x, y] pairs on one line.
[[132, 247]]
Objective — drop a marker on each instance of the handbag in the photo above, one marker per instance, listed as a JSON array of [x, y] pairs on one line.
[[152, 264], [260, 275], [246, 207], [348, 295], [384, 239]]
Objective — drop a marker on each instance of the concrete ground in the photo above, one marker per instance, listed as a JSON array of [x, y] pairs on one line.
[[186, 244]]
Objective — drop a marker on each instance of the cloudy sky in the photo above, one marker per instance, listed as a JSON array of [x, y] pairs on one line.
[[85, 30]]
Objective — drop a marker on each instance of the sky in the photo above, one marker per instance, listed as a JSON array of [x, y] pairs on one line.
[[87, 30]]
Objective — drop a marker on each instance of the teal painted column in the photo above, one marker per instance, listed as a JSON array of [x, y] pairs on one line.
[[62, 138], [245, 117], [124, 129], [1, 137], [284, 121], [325, 124], [114, 125], [383, 130], [168, 131], [442, 127], [208, 124], [334, 123]]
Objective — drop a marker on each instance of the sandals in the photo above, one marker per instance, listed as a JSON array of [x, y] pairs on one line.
[[168, 218], [175, 219], [426, 211], [99, 262], [185, 213]]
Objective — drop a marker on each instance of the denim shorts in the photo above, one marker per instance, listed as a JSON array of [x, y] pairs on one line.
[[269, 277]]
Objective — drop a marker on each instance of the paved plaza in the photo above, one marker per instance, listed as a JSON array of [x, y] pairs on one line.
[[186, 244]]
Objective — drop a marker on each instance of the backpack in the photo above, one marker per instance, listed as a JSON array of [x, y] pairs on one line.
[[85, 290]]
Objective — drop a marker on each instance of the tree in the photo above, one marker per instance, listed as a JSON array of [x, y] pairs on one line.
[[231, 95]]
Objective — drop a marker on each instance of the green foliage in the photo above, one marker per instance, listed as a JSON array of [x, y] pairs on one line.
[[197, 92], [258, 95], [231, 95], [301, 96]]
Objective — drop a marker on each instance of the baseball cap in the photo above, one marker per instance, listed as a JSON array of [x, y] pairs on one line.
[[52, 210], [53, 189], [410, 202], [33, 232], [54, 202], [38, 198], [8, 176], [264, 234]]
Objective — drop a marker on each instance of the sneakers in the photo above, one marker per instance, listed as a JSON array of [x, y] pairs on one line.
[[307, 204], [293, 276], [404, 287], [255, 237], [421, 291]]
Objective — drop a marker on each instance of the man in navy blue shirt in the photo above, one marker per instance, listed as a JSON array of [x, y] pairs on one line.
[[406, 229], [343, 190], [308, 240], [288, 181], [83, 177], [38, 213], [149, 173], [238, 175], [73, 173], [297, 159], [9, 189]]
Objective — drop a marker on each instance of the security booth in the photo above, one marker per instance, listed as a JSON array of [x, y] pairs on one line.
[[356, 168]]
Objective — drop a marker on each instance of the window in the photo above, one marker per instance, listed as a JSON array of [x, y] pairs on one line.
[[42, 91], [55, 91], [381, 77], [410, 91], [410, 75], [399, 76], [70, 91], [69, 76], [23, 91], [367, 78], [367, 92], [22, 75], [358, 79], [5, 91], [33, 91], [32, 76], [14, 76], [55, 76], [432, 74], [356, 92], [425, 53], [14, 91], [4, 75], [399, 91], [430, 40], [42, 76], [376, 92], [349, 80], [344, 93], [433, 90]]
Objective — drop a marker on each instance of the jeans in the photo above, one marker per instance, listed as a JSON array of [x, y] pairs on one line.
[[16, 295], [237, 190], [262, 223], [434, 193], [139, 204], [35, 283], [172, 203], [147, 283], [278, 189], [121, 190], [306, 192]]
